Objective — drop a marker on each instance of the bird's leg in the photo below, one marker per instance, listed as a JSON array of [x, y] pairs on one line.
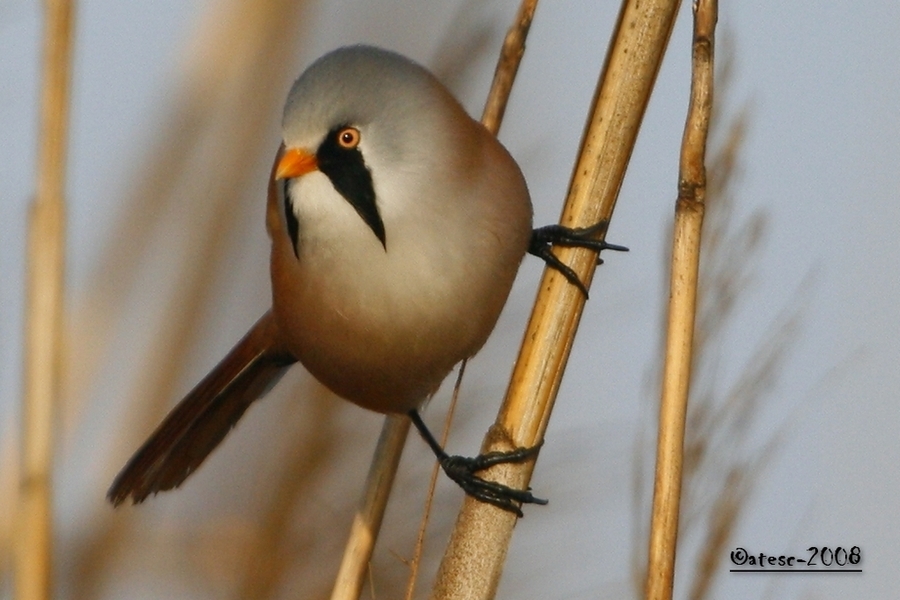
[[463, 471], [579, 237]]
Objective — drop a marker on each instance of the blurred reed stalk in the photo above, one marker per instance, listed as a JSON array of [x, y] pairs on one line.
[[44, 313], [689, 210], [366, 525], [473, 562], [198, 170]]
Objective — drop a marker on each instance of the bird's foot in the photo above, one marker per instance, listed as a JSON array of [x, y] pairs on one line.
[[543, 238], [463, 470]]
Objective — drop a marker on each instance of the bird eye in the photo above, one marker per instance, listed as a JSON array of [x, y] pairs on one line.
[[348, 138]]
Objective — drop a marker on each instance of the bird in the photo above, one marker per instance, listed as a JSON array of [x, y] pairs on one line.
[[397, 226]]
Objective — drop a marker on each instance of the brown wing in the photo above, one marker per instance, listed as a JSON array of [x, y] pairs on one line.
[[202, 419]]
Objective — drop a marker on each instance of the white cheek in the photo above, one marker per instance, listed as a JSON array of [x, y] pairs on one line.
[[326, 219], [401, 188]]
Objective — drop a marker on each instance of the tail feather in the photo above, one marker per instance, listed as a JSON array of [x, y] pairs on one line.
[[202, 419]]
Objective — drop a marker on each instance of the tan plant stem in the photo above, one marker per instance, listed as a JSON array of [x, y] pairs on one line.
[[44, 313], [507, 66], [682, 309], [367, 522], [473, 561], [432, 484]]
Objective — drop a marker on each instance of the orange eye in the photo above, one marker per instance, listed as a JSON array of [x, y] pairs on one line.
[[348, 138]]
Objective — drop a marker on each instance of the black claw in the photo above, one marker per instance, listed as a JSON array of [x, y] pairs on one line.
[[462, 470], [578, 237]]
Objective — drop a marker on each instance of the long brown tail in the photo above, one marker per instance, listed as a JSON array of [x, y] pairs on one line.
[[199, 422]]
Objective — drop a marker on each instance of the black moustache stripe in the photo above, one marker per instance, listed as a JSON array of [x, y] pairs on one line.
[[349, 175], [293, 224]]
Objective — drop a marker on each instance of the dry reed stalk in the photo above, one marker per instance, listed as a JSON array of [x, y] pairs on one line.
[[419, 547], [364, 532], [682, 309], [721, 465], [507, 67], [473, 561], [44, 313]]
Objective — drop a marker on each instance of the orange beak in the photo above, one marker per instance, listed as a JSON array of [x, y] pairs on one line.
[[294, 163]]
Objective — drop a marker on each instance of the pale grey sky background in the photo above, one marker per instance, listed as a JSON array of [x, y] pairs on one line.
[[821, 157]]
